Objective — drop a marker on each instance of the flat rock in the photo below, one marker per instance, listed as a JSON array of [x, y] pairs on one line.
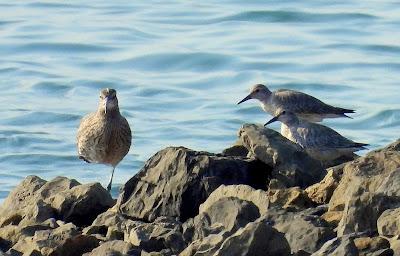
[[291, 164], [176, 180]]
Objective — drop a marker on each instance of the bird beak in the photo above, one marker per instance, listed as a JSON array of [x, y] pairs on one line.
[[105, 105], [248, 97], [272, 120]]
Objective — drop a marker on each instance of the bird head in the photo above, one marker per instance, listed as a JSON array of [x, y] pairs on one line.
[[259, 92], [108, 101]]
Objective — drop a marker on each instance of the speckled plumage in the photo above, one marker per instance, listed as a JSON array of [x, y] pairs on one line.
[[104, 136], [303, 105], [321, 142]]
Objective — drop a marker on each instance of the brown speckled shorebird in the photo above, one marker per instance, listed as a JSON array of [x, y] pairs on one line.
[[104, 136]]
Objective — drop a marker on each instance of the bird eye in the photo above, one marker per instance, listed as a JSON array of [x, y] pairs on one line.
[[257, 90]]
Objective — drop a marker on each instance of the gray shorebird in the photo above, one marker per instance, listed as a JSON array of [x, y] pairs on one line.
[[303, 105], [104, 136], [319, 141]]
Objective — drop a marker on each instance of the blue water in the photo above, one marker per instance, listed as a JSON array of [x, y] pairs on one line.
[[179, 69]]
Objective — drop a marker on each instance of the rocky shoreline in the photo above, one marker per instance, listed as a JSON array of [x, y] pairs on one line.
[[262, 196]]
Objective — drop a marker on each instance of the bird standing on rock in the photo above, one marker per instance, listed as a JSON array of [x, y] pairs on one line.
[[104, 136], [319, 141], [303, 105]]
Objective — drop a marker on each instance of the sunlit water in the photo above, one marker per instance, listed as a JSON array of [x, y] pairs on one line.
[[180, 68]]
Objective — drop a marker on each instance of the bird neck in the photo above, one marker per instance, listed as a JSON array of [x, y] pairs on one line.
[[111, 113]]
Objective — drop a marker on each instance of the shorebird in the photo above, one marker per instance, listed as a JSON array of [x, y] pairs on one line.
[[303, 105], [104, 136], [319, 141]]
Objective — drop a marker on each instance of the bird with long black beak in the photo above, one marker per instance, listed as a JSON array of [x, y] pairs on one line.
[[104, 136], [319, 141], [303, 105]]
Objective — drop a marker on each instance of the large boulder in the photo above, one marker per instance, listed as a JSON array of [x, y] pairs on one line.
[[369, 186], [176, 180], [291, 164]]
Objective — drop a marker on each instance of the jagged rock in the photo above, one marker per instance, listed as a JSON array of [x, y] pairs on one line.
[[176, 180], [256, 239], [372, 246], [82, 203], [64, 240], [369, 186], [339, 246], [294, 198], [322, 191], [108, 248], [163, 233], [304, 232], [291, 164], [389, 223], [224, 216], [204, 247], [35, 205]]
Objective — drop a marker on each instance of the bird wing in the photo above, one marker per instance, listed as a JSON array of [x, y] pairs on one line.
[[322, 137], [302, 103]]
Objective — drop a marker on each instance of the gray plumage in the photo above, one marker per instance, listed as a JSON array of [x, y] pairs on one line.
[[104, 136], [321, 142], [303, 105]]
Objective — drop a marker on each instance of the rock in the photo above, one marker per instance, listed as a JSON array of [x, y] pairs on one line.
[[81, 204], [204, 247], [176, 180], [57, 241], [256, 238], [304, 232], [322, 191], [370, 245], [294, 198], [369, 186], [163, 233], [37, 206], [108, 248], [389, 223], [236, 150], [339, 246], [291, 164], [244, 192]]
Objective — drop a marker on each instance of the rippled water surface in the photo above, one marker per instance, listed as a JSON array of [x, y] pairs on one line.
[[180, 68]]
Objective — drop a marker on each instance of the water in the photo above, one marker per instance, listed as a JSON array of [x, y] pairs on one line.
[[180, 68]]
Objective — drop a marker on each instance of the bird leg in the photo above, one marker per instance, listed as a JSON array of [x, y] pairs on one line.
[[110, 183]]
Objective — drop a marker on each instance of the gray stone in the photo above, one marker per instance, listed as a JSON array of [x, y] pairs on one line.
[[369, 186], [339, 246], [111, 248], [176, 180], [291, 164], [256, 239], [389, 223], [303, 232]]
